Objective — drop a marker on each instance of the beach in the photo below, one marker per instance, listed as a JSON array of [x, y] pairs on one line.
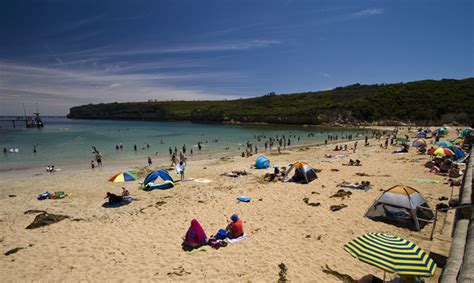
[[142, 241]]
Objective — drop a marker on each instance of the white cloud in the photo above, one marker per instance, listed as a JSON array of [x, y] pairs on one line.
[[368, 12], [196, 48], [58, 89]]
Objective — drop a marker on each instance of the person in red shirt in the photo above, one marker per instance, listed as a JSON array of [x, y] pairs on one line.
[[235, 227]]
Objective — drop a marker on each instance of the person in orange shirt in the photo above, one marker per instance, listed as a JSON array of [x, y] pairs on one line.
[[235, 227]]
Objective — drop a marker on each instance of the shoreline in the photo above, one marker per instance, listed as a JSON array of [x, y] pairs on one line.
[[134, 163]]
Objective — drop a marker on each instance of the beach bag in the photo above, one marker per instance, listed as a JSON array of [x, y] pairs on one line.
[[43, 196], [221, 234]]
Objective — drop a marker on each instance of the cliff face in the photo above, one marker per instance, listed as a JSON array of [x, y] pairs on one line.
[[444, 101]]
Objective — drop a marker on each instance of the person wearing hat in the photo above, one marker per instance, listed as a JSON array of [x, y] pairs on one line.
[[235, 227]]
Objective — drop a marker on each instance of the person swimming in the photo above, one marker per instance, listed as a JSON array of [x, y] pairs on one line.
[[235, 227], [195, 236]]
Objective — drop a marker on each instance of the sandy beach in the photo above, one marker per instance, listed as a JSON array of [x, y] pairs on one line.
[[142, 241]]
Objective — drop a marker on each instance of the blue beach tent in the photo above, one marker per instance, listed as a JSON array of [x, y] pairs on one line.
[[262, 162], [158, 180]]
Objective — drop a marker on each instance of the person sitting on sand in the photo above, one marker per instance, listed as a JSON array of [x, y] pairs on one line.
[[195, 236], [113, 198], [235, 227], [336, 148]]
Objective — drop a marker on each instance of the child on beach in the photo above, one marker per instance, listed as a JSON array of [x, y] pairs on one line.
[[180, 169], [125, 192]]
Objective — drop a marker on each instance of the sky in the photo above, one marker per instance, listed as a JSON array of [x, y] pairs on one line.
[[61, 54]]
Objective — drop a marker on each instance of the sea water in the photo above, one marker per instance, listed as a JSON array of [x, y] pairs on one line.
[[66, 141]]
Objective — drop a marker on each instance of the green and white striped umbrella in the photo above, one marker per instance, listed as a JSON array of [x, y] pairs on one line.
[[392, 254]]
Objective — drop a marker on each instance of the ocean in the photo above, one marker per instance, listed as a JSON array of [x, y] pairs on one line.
[[65, 141]]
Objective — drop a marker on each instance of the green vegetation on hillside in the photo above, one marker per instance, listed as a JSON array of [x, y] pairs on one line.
[[427, 101]]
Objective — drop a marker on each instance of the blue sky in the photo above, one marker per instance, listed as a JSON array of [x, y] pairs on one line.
[[66, 53]]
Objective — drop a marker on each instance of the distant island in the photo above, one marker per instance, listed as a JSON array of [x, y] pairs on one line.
[[419, 102]]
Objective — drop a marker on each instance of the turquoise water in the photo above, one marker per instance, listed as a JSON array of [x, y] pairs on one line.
[[64, 141]]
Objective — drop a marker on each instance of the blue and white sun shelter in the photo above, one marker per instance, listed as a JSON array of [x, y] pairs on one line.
[[158, 180], [262, 162]]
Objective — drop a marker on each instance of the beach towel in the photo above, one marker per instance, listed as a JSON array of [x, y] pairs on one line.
[[200, 249], [356, 187], [125, 201], [236, 240], [423, 180], [243, 199]]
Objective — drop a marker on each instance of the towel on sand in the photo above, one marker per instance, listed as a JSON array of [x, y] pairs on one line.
[[236, 240]]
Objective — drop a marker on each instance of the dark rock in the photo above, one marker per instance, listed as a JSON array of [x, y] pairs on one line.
[[34, 211], [45, 219], [282, 273], [341, 193], [12, 251], [337, 207]]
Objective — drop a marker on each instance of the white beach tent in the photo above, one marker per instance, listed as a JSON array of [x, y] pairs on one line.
[[402, 206]]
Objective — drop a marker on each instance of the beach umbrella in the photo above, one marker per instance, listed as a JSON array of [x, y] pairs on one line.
[[123, 177], [458, 141], [458, 152], [421, 135], [466, 132], [442, 131], [392, 254], [442, 151], [446, 144], [419, 143]]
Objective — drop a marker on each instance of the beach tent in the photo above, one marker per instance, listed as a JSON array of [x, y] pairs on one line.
[[402, 206], [158, 180], [304, 173], [262, 162]]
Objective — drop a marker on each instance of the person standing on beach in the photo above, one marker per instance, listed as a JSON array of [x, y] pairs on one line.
[[173, 159], [184, 148], [182, 156], [180, 169], [355, 147], [135, 147], [5, 150], [149, 161], [98, 158], [92, 164], [170, 150]]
